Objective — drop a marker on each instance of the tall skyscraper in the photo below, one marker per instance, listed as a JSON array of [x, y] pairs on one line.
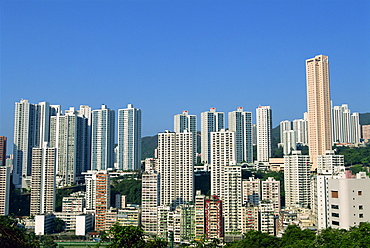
[[43, 180], [318, 106], [226, 177], [69, 134], [184, 121], [102, 145], [31, 129], [175, 163], [129, 138], [240, 122], [297, 180], [211, 121], [264, 123], [222, 155]]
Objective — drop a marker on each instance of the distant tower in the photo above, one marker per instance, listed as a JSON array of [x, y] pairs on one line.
[[129, 138], [31, 129], [175, 163], [188, 122], [240, 122], [264, 123], [149, 201], [102, 145], [211, 121], [43, 180], [319, 107], [300, 127], [69, 134]]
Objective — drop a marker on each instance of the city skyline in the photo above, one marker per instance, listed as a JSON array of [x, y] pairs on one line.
[[186, 52]]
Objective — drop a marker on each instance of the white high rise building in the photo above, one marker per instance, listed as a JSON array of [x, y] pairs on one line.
[[149, 201], [184, 121], [300, 126], [231, 196], [69, 134], [289, 142], [31, 129], [240, 122], [102, 145], [226, 178], [348, 201], [129, 138], [328, 166], [264, 125], [211, 121], [345, 126], [43, 180], [222, 155], [297, 180], [176, 163], [284, 126]]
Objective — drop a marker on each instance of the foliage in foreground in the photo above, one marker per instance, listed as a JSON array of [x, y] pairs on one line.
[[132, 237], [294, 237], [11, 235]]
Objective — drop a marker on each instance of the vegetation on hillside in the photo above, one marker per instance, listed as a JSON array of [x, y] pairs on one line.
[[131, 187], [148, 144]]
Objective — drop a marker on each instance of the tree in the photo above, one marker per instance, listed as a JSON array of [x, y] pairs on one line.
[[294, 236], [59, 225], [126, 236], [13, 236], [257, 239]]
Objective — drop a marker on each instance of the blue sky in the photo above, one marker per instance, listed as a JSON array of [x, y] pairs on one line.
[[169, 56]]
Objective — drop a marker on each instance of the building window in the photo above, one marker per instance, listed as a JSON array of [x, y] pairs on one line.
[[361, 216], [335, 214], [334, 194], [336, 223], [361, 207], [359, 192], [335, 206]]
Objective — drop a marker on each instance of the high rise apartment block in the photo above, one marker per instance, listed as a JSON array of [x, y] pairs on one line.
[[240, 122], [184, 121], [264, 125], [150, 201], [345, 126], [129, 138], [318, 106], [102, 145], [297, 180], [176, 163], [300, 127], [211, 121], [69, 134], [43, 180]]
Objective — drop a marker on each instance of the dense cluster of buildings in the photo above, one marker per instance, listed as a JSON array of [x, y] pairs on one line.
[[55, 149]]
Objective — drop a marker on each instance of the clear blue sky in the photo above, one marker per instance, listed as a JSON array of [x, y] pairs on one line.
[[169, 56]]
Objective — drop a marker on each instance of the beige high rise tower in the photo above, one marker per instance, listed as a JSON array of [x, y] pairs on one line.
[[318, 106]]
